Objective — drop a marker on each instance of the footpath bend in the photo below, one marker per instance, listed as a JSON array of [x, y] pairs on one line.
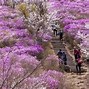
[[57, 44], [72, 80]]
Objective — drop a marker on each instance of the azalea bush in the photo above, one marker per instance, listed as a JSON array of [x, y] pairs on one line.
[[20, 67], [16, 70], [52, 62], [73, 16]]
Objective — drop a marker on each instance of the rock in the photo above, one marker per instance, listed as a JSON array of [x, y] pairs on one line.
[[79, 77], [81, 81], [72, 73], [73, 76], [83, 88], [67, 68], [78, 83]]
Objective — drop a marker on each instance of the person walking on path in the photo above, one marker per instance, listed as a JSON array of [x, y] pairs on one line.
[[78, 60], [75, 53], [59, 53], [61, 62], [54, 30], [78, 65], [64, 58], [60, 35], [79, 53]]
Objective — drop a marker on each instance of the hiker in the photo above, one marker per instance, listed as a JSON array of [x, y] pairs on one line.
[[59, 53], [78, 65], [60, 35], [78, 60], [64, 58], [54, 30], [79, 53], [75, 53]]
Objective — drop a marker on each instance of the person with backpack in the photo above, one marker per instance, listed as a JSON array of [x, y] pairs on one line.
[[75, 53], [78, 65], [60, 35], [64, 58], [59, 53], [79, 53], [78, 60]]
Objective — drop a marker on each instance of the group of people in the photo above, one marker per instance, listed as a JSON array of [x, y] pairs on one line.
[[77, 54], [62, 55], [56, 32]]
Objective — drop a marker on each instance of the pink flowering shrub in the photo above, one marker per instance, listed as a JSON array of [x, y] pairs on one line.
[[18, 59], [46, 80], [32, 50], [14, 67], [45, 36], [73, 15], [18, 23], [52, 79], [51, 62], [25, 64]]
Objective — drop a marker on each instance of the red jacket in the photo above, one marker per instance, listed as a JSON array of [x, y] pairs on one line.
[[75, 51]]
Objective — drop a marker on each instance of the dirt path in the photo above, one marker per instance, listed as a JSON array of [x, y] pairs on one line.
[[72, 80], [57, 44], [75, 81]]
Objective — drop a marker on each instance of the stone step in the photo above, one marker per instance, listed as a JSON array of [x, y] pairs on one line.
[[60, 45]]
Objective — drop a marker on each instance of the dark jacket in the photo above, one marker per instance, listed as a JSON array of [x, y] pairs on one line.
[[64, 58], [59, 54]]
